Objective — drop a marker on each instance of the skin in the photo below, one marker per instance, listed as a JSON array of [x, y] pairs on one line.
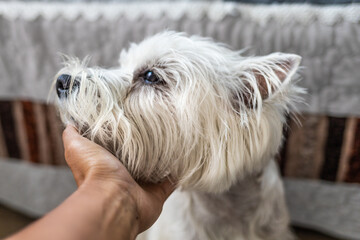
[[108, 204]]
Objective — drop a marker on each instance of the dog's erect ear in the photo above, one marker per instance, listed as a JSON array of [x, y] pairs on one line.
[[262, 77]]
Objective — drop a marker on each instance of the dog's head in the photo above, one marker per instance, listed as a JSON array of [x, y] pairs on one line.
[[185, 107]]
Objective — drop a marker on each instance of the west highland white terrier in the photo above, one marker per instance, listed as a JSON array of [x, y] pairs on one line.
[[192, 109]]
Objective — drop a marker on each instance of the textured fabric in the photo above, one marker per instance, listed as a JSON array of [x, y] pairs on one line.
[[243, 1], [33, 189], [328, 39], [322, 147], [329, 208], [297, 1], [216, 11], [353, 169], [31, 132], [110, 1]]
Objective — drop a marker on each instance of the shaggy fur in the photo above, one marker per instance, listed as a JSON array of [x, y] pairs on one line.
[[213, 122]]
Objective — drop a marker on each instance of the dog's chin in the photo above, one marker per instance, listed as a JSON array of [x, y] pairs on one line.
[[156, 176], [153, 179]]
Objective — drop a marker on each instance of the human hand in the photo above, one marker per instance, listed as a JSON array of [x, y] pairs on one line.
[[96, 169]]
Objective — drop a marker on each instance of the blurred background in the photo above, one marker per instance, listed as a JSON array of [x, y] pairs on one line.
[[320, 160]]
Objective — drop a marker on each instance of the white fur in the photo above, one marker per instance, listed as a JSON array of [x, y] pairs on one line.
[[210, 125]]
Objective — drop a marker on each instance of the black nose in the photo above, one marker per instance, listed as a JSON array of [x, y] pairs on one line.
[[63, 85]]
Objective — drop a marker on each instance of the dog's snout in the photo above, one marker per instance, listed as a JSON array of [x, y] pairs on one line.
[[63, 84]]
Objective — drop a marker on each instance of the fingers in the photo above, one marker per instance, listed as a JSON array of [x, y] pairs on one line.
[[71, 136], [74, 142], [166, 188], [69, 131], [77, 153], [161, 190]]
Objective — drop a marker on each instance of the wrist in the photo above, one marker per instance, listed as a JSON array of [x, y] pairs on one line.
[[119, 214]]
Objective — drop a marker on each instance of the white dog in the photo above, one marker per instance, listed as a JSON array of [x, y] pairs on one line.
[[194, 110]]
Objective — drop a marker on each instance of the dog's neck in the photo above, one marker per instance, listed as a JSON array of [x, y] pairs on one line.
[[254, 203], [232, 209]]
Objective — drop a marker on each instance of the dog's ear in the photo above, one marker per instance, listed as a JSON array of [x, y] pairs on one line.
[[262, 77]]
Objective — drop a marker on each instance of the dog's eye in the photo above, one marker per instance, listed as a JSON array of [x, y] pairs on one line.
[[150, 77]]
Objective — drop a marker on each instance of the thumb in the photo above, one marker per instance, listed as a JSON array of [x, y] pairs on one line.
[[71, 137], [74, 145]]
